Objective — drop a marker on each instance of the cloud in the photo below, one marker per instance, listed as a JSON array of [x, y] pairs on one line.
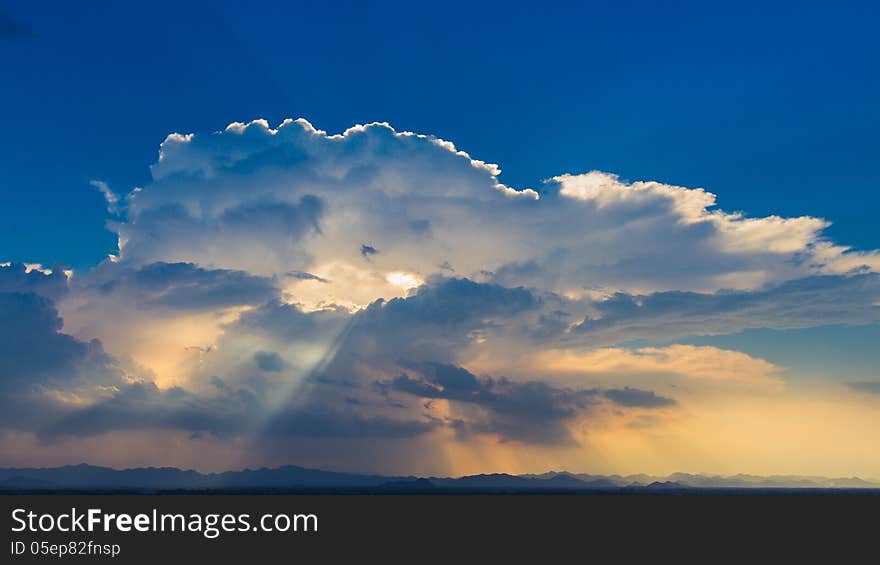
[[258, 230], [436, 320], [410, 346], [110, 197], [868, 387], [530, 411], [632, 397], [46, 373], [19, 277], [56, 385], [179, 286], [807, 302], [37, 355], [164, 316], [355, 375], [144, 406], [294, 198], [339, 295], [269, 361], [303, 276], [345, 425], [688, 366], [349, 375], [638, 201], [284, 323]]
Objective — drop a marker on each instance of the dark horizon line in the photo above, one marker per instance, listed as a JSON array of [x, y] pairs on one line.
[[8, 474]]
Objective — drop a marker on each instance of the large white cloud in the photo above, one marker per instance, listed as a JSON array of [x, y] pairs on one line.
[[296, 200], [379, 289]]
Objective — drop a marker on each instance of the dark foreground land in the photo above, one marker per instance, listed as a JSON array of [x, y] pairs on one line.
[[689, 491], [298, 480]]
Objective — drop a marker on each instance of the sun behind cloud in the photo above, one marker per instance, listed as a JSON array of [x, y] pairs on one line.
[[318, 298]]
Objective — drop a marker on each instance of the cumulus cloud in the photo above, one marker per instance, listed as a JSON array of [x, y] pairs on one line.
[[438, 318], [379, 286], [286, 323], [19, 277], [36, 354], [299, 199], [46, 372], [56, 385], [371, 374], [260, 231]]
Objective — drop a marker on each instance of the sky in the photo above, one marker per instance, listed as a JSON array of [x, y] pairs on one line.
[[604, 237]]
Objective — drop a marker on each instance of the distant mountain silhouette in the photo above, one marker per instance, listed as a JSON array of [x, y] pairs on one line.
[[666, 485], [501, 481], [415, 485], [25, 483], [169, 478], [89, 477]]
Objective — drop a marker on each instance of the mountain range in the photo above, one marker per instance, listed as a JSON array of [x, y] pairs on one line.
[[293, 479]]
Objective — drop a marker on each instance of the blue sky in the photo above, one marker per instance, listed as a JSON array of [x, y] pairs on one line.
[[773, 107]]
